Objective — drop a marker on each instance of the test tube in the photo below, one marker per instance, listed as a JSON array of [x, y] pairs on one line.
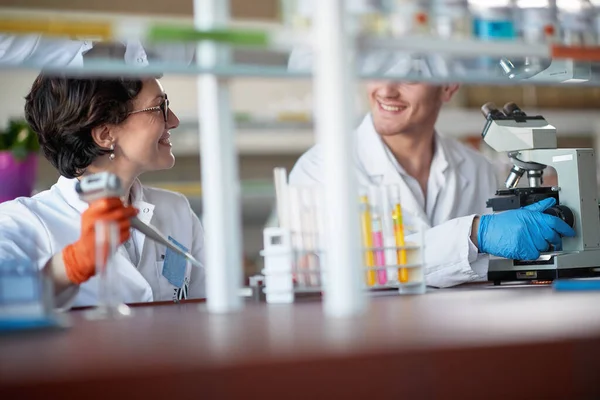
[[310, 230], [107, 241], [296, 230], [367, 237], [389, 238], [415, 259], [399, 234], [321, 242], [378, 241]]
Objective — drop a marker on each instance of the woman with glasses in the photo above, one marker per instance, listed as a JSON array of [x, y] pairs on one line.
[[87, 126]]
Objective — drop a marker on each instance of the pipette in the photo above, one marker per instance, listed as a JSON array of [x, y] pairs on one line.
[[106, 184]]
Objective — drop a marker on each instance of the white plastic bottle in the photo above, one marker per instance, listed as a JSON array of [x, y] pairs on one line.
[[409, 17], [536, 20], [576, 22], [450, 19], [365, 16]]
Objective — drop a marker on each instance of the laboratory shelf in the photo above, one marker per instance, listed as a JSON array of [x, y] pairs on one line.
[[415, 58]]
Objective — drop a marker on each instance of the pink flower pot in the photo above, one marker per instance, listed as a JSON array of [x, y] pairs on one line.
[[17, 177]]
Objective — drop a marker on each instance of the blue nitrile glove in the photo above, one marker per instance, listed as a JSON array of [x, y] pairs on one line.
[[522, 234]]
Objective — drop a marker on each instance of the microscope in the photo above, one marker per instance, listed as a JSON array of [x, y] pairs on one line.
[[531, 145]]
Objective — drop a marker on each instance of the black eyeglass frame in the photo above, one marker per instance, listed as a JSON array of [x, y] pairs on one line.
[[163, 106]]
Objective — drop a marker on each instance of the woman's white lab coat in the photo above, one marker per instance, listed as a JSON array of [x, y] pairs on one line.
[[44, 224], [460, 182], [36, 51]]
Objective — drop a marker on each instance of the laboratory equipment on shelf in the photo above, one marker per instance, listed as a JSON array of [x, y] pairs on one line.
[[576, 22], [530, 143], [450, 19], [535, 24], [365, 16], [536, 21], [546, 21], [295, 252], [493, 19], [409, 17]]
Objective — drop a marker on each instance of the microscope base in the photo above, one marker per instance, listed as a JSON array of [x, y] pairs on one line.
[[585, 264], [497, 277]]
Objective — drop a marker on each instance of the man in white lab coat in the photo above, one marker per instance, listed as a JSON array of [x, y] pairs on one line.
[[444, 184]]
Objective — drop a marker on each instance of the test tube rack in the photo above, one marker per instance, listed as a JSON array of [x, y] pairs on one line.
[[295, 252]]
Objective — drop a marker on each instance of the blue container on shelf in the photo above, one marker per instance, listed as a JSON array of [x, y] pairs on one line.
[[485, 29], [494, 22]]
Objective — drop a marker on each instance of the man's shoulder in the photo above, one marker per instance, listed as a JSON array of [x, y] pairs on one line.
[[308, 168], [471, 156]]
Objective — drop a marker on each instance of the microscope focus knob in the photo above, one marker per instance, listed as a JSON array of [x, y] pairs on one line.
[[562, 212]]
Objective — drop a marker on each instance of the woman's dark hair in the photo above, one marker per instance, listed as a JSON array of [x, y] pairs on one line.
[[63, 111]]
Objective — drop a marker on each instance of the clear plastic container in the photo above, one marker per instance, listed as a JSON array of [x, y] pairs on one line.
[[536, 21], [367, 17], [451, 19], [493, 19], [576, 22], [409, 17]]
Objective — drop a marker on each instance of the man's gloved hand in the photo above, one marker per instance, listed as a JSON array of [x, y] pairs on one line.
[[522, 234], [79, 257]]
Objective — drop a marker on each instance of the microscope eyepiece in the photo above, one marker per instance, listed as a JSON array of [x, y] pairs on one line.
[[490, 110], [513, 110]]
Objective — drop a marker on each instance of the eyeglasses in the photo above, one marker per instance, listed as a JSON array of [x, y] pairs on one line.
[[164, 107]]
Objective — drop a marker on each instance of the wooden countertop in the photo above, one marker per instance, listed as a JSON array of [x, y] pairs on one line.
[[527, 342]]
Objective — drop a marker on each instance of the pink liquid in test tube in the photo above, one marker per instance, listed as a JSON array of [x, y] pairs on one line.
[[379, 254]]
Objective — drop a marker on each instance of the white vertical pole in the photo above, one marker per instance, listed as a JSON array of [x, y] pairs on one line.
[[335, 93], [220, 182]]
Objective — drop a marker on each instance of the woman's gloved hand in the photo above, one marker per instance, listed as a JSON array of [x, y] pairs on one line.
[[522, 234], [79, 257]]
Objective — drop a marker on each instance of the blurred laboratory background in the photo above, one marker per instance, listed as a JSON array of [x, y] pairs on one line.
[[274, 116]]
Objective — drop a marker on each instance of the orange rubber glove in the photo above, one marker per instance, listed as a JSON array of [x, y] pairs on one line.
[[79, 258]]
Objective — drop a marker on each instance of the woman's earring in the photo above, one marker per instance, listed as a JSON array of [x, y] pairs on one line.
[[112, 152]]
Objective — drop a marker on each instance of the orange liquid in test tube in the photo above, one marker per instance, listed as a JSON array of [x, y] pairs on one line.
[[399, 235], [367, 237]]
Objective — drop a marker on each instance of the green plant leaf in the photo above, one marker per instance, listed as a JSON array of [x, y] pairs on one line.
[[19, 138]]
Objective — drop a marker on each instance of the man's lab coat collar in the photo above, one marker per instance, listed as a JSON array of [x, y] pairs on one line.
[[66, 187], [372, 151]]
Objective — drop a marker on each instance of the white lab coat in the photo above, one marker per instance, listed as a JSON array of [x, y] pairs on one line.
[[460, 182], [40, 51], [44, 224]]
